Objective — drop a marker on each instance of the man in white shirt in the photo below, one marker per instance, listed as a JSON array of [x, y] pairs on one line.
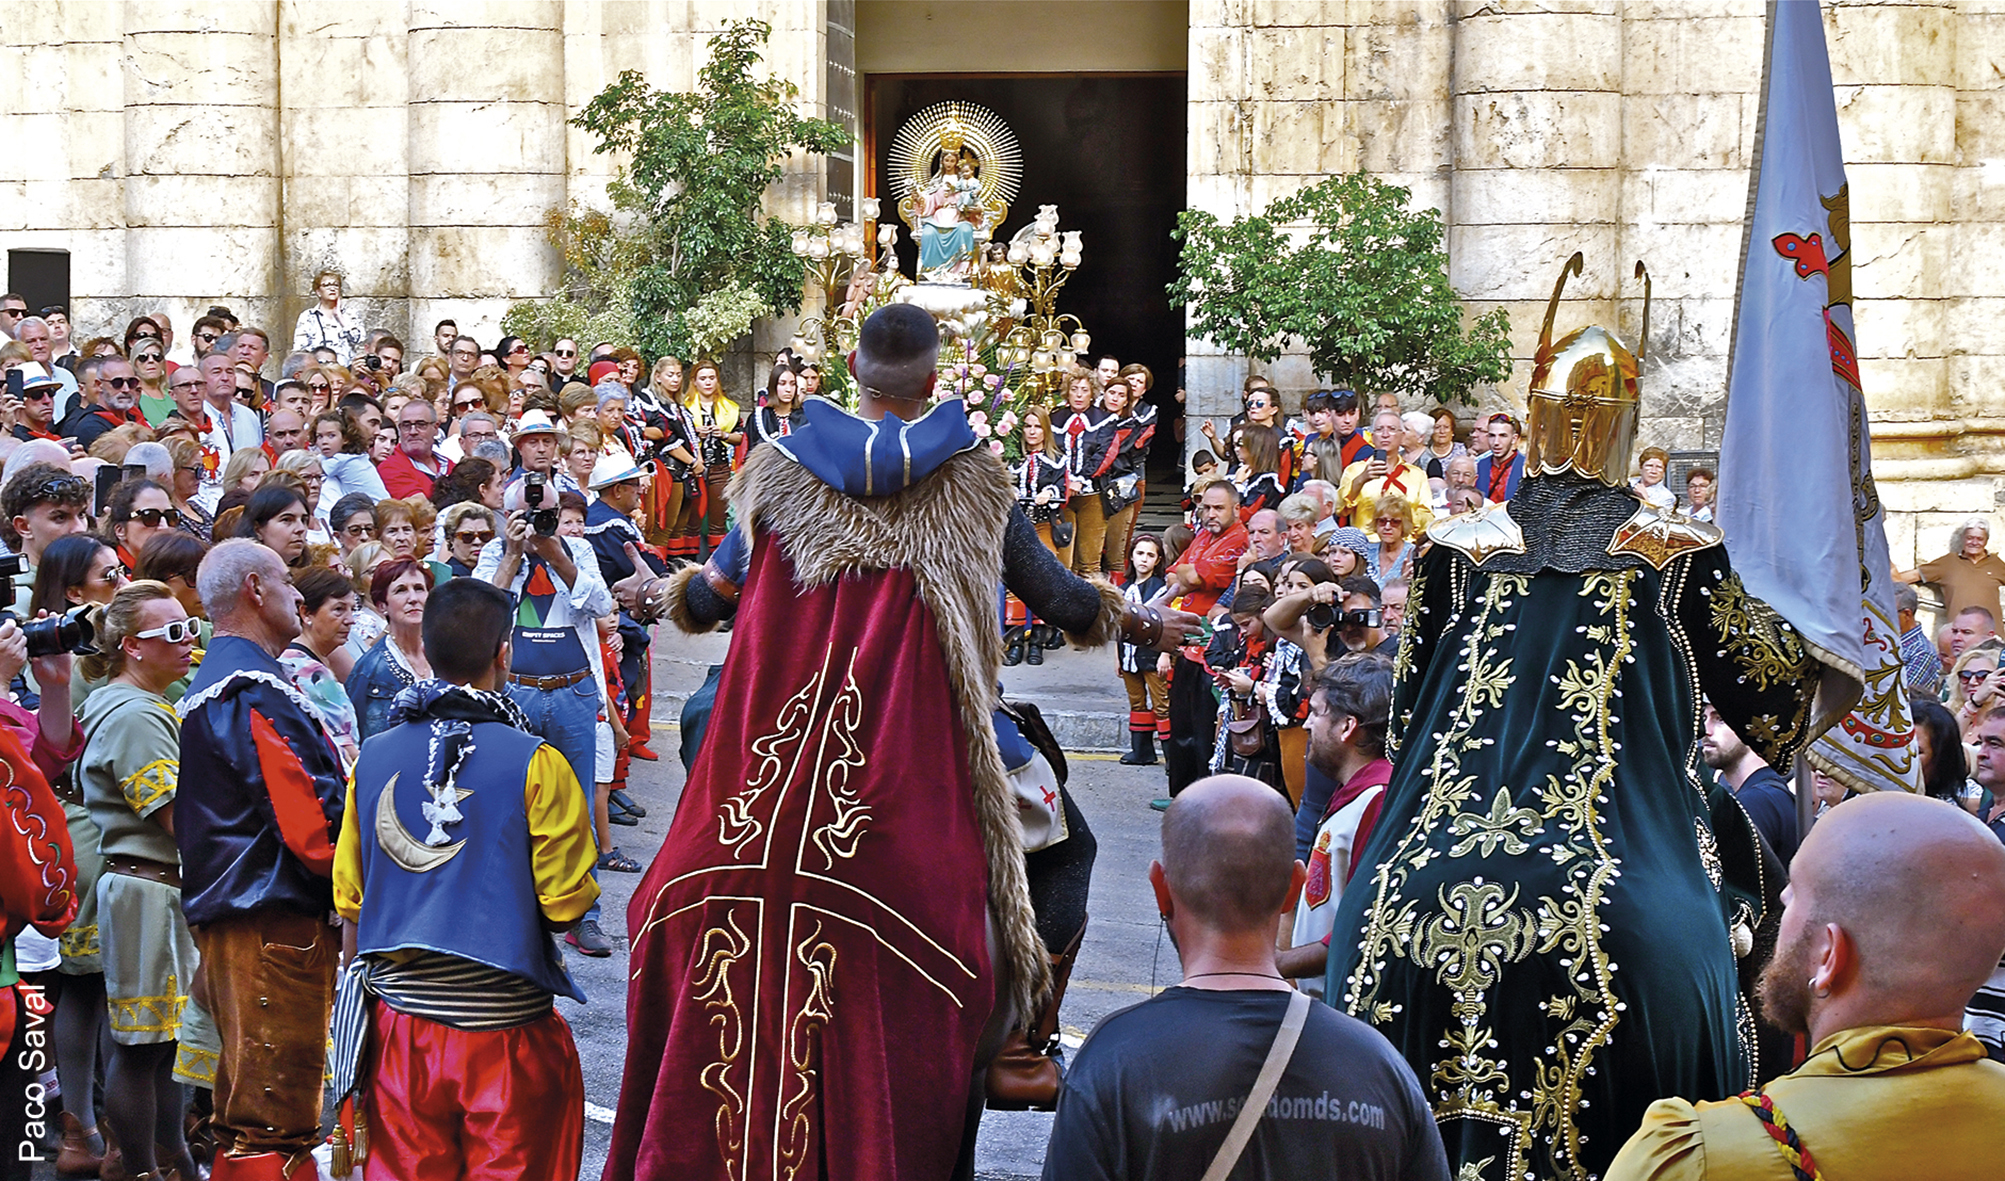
[[231, 425]]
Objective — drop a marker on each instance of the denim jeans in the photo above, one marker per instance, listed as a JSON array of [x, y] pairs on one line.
[[567, 719]]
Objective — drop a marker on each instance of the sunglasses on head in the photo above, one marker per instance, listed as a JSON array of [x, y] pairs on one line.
[[178, 632], [153, 518]]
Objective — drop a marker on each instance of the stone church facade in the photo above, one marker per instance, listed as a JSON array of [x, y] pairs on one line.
[[187, 153]]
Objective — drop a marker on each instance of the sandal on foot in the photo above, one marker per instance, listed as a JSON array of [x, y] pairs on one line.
[[618, 862]]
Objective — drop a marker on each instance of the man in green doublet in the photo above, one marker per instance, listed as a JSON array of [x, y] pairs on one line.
[[1540, 920]]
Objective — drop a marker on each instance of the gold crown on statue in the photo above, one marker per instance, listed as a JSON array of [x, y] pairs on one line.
[[952, 134]]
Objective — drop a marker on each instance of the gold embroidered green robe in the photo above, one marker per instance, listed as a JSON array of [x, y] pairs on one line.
[[1538, 919]]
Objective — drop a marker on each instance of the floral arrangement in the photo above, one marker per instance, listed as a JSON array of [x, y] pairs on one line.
[[995, 405]]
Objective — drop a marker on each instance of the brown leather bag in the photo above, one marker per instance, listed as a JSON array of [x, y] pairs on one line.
[[1246, 732]]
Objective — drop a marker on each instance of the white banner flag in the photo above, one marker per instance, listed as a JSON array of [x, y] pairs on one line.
[[1803, 520]]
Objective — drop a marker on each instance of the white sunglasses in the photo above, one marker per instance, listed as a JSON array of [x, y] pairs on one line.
[[178, 632]]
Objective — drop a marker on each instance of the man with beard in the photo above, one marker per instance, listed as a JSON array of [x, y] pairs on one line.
[[110, 399], [1894, 914], [1203, 573], [1347, 720], [1764, 794]]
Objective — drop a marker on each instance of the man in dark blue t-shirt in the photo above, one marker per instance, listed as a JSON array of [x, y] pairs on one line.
[[1158, 1086], [1764, 793]]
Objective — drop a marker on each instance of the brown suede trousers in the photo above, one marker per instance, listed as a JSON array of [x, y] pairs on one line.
[[267, 978]]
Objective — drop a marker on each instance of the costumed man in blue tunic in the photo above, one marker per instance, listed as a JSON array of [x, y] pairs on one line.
[[1545, 920], [842, 904], [466, 842]]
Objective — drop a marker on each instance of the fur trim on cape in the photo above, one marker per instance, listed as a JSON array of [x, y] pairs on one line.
[[676, 609], [1106, 626], [936, 529]]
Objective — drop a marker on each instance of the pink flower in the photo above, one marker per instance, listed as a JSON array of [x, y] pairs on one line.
[[995, 445], [1007, 424]]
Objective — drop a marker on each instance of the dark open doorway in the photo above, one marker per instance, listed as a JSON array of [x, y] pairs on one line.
[[1109, 151]]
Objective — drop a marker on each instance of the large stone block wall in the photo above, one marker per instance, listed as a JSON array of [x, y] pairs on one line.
[[1626, 130], [226, 151]]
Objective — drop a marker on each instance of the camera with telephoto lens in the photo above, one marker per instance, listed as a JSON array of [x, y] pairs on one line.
[[542, 520], [1324, 616], [73, 632]]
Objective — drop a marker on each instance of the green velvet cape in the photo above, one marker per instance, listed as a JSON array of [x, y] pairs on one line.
[[1540, 922]]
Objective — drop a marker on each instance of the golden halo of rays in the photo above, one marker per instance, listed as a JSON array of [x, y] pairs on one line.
[[999, 159]]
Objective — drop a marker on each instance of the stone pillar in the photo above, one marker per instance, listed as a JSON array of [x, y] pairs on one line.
[[1691, 95], [1895, 73], [201, 192], [486, 151], [1537, 142], [344, 84], [61, 89]]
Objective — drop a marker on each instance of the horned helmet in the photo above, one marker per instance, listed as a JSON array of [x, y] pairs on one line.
[[1583, 398]]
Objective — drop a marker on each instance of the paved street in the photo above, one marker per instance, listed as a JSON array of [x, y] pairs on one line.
[[1116, 964]]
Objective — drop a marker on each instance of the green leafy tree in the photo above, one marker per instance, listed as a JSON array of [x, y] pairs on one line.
[[688, 220], [1365, 288]]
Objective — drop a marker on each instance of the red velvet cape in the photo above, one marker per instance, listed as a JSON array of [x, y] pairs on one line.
[[810, 973]]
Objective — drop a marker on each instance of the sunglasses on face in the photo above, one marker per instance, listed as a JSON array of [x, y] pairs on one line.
[[17, 313], [1973, 674], [122, 383], [205, 336], [45, 393], [178, 632], [141, 336], [467, 405], [481, 537], [567, 352], [153, 518], [153, 357], [317, 387]]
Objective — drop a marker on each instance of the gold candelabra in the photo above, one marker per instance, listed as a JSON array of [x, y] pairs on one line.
[[837, 255], [1045, 342]]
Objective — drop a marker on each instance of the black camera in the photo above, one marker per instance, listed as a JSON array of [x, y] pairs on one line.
[[73, 631], [370, 361], [542, 520], [1324, 616]]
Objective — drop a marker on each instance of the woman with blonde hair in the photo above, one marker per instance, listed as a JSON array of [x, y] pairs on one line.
[[186, 483], [714, 416], [580, 446], [1974, 685], [1392, 524], [149, 365], [367, 626], [245, 467], [1084, 431], [127, 778], [671, 498]]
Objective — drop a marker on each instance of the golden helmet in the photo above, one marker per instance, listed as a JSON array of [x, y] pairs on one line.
[[1583, 400]]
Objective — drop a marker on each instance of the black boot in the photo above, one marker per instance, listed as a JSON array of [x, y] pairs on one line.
[[1013, 646], [1033, 652], [1141, 749]]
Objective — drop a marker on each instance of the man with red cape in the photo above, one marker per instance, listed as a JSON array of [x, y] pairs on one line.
[[839, 918]]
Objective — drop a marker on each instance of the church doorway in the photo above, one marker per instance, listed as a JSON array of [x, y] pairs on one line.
[[1109, 151]]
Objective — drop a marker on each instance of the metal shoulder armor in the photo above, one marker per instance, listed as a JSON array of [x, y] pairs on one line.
[[1658, 535], [1479, 533]]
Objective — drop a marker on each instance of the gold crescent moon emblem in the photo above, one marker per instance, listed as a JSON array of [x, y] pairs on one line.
[[397, 842]]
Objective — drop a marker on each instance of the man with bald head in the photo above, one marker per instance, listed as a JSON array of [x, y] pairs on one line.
[[1158, 1087], [1894, 914]]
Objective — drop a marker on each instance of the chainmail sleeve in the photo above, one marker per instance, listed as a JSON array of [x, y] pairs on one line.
[[1089, 611]]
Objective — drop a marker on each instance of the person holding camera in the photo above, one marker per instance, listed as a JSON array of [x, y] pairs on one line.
[[560, 596]]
